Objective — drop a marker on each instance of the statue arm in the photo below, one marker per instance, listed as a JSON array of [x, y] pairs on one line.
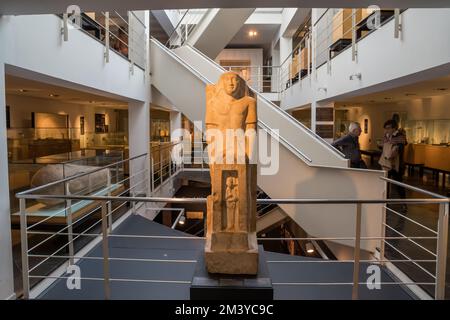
[[252, 118], [250, 129]]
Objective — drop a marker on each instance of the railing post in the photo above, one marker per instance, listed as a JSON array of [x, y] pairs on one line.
[[24, 247], [357, 253], [108, 185], [398, 24], [441, 260], [69, 224], [65, 29], [105, 247], [383, 228], [160, 165], [106, 54], [354, 52], [152, 173]]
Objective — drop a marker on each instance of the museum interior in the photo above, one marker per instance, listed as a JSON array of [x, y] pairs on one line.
[[107, 165]]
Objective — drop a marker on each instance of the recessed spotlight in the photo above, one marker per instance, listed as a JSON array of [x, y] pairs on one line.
[[91, 101], [387, 98], [23, 90], [410, 94], [309, 247], [53, 95], [441, 89], [252, 33]]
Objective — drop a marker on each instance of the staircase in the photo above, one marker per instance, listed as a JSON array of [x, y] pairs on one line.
[[308, 167]]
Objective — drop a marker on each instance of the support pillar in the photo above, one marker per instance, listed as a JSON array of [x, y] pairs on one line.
[[6, 264]]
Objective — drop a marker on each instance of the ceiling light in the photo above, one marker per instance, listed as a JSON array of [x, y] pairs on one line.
[[53, 95], [252, 33], [23, 90], [410, 94], [387, 98], [441, 89], [182, 220], [309, 247]]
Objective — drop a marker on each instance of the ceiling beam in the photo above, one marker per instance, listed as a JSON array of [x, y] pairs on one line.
[[59, 6]]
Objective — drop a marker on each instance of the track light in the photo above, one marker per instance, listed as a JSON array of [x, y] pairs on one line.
[[309, 247]]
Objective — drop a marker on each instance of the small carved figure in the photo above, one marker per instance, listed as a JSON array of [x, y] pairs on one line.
[[231, 197]]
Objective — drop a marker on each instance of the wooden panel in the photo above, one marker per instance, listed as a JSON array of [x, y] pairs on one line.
[[304, 59], [437, 157], [325, 114], [342, 24], [415, 154], [325, 130], [294, 66], [194, 215]]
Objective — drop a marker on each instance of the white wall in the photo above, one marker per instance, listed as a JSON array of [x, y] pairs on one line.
[[32, 47], [254, 55], [384, 62], [175, 124], [432, 108], [35, 43], [21, 108]]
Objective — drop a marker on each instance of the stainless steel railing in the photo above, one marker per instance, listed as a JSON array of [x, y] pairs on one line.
[[186, 26], [126, 36], [103, 202]]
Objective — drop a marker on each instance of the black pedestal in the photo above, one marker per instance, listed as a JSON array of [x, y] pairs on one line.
[[207, 286]]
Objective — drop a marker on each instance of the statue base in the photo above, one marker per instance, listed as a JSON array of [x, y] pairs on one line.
[[207, 286], [231, 246], [228, 256]]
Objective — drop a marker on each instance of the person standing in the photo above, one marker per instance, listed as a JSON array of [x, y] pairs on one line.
[[349, 145], [391, 159]]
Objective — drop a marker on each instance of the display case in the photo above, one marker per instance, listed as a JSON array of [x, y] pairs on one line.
[[31, 173], [435, 132], [30, 143]]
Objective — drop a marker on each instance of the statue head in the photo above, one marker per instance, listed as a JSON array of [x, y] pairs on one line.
[[230, 182], [233, 85]]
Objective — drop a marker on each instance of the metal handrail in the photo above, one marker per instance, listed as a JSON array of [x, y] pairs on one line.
[[176, 27], [18, 195], [26, 195], [442, 230]]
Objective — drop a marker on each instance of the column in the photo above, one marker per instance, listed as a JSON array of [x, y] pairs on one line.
[[6, 265], [139, 143]]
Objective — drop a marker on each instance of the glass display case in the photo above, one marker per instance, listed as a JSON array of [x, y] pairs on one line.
[[25, 174], [160, 130], [29, 143], [435, 132]]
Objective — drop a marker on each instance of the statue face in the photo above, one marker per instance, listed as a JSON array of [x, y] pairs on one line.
[[229, 182], [231, 83]]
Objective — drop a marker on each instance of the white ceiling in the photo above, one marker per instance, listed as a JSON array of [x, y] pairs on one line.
[[418, 90], [266, 33], [30, 88]]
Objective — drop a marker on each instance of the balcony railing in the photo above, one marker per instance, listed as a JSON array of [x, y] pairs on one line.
[[125, 35], [132, 191]]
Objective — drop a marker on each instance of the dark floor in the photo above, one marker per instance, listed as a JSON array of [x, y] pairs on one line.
[[178, 249], [426, 215]]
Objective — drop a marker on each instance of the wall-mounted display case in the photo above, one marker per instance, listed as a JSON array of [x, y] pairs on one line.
[[428, 131]]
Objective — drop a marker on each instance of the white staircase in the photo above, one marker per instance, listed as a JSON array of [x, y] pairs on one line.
[[308, 166]]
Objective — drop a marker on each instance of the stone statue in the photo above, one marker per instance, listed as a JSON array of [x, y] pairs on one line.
[[231, 119], [82, 186]]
